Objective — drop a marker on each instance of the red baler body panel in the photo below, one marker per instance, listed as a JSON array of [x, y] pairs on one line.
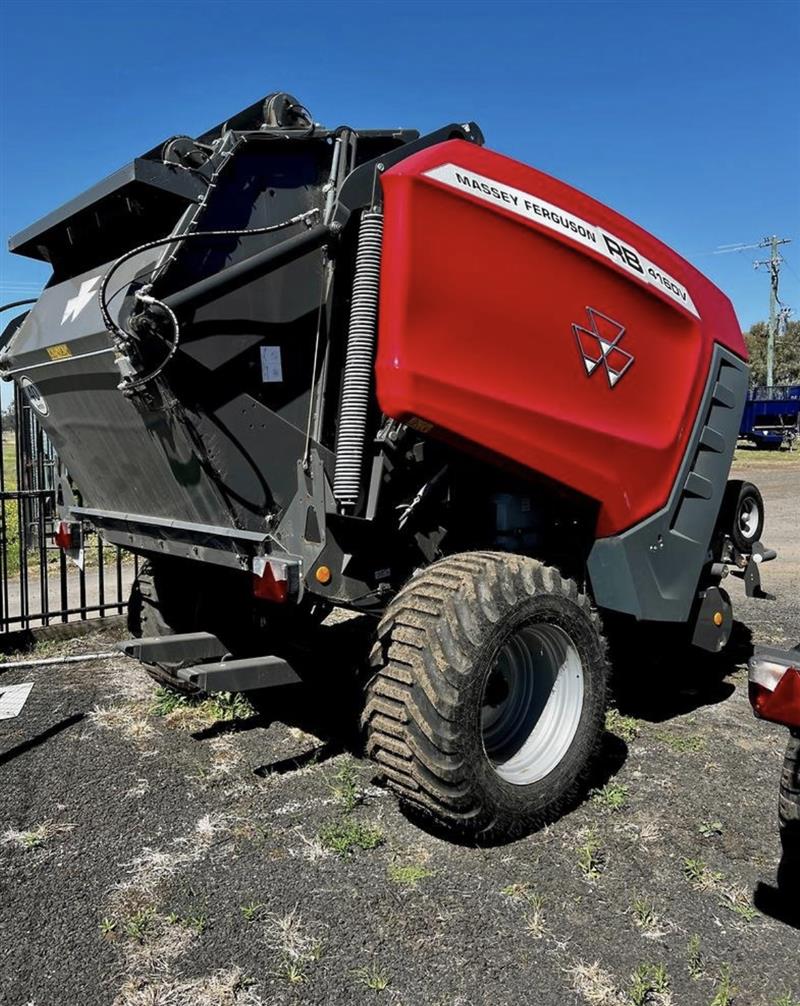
[[489, 268]]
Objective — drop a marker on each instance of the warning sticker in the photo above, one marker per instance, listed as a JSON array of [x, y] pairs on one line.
[[59, 352], [271, 368], [546, 214]]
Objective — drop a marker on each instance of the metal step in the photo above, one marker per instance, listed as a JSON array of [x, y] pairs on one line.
[[247, 674], [189, 647]]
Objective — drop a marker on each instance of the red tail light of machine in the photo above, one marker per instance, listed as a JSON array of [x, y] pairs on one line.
[[775, 685]]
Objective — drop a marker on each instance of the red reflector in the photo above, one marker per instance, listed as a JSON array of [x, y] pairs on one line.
[[63, 535], [782, 705], [269, 587]]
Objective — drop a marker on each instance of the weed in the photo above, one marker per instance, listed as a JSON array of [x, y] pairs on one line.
[[787, 999], [534, 918], [649, 984], [612, 797], [251, 911], [696, 964], [233, 706], [35, 837], [644, 914], [167, 700], [190, 712], [724, 991], [345, 788], [699, 875], [710, 829], [373, 978], [625, 727], [590, 855], [198, 922], [681, 743], [292, 972], [107, 926], [140, 924], [343, 836], [518, 891], [738, 901], [173, 919], [410, 875]]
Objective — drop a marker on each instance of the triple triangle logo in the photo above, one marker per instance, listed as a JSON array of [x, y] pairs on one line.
[[599, 346]]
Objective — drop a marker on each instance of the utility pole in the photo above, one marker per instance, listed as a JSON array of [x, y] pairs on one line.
[[773, 263]]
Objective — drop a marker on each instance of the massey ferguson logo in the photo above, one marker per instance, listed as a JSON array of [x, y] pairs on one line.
[[599, 346]]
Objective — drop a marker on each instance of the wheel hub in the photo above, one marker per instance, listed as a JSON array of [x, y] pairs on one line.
[[532, 703]]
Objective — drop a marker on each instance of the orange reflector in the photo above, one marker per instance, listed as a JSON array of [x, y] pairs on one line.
[[717, 618], [323, 574]]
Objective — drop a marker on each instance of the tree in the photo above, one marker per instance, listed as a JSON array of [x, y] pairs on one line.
[[9, 418], [787, 354]]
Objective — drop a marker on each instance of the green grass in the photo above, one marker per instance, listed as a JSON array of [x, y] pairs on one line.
[[695, 961], [252, 911], [612, 797], [724, 991], [700, 876], [140, 924], [409, 875], [747, 455], [681, 743], [649, 982], [9, 462], [590, 855], [373, 977], [342, 837], [345, 789], [625, 727], [644, 913], [193, 712]]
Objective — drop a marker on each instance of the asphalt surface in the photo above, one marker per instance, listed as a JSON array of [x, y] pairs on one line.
[[152, 860]]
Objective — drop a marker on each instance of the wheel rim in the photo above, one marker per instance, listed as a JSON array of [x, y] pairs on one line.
[[532, 703], [749, 516]]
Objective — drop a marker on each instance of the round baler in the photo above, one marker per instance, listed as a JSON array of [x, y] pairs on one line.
[[298, 369]]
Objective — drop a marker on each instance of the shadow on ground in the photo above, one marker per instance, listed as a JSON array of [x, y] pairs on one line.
[[657, 675]]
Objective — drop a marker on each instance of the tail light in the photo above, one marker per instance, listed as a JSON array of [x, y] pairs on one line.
[[775, 686], [66, 535], [273, 582]]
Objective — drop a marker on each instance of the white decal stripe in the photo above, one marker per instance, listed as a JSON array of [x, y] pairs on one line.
[[546, 214]]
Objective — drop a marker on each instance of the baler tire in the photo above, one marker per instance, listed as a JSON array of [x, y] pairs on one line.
[[427, 717], [789, 813], [146, 618]]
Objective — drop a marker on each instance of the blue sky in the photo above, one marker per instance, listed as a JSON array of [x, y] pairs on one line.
[[683, 116]]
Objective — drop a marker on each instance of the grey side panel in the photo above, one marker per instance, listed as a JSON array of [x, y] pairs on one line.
[[652, 570]]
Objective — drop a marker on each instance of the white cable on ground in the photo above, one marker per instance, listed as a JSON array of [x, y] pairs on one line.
[[58, 660]]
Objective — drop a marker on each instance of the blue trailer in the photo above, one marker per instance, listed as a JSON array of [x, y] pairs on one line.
[[771, 417]]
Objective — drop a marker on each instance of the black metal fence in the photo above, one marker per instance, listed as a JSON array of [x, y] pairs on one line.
[[39, 585]]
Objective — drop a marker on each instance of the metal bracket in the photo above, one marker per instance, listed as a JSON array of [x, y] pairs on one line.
[[245, 675]]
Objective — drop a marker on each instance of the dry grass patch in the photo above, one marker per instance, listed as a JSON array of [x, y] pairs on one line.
[[33, 838], [223, 988], [125, 720], [594, 984], [296, 945]]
